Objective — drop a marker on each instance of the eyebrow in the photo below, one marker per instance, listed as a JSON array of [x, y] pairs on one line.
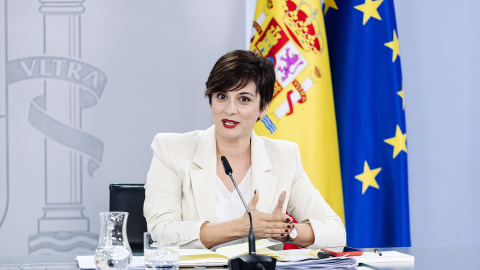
[[246, 93]]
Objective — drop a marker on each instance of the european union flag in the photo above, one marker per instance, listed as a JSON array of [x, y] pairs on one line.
[[369, 103]]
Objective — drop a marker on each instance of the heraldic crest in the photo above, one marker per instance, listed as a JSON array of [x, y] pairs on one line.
[[292, 42]]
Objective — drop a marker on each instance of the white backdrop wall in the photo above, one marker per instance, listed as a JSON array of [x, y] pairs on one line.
[[156, 56], [440, 52]]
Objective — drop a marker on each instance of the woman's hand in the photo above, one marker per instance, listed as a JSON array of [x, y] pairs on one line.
[[305, 236], [276, 225], [279, 210]]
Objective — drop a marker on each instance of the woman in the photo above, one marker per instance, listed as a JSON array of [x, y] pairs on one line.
[[188, 191]]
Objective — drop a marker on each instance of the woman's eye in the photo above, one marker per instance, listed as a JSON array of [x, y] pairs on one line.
[[221, 96], [244, 99]]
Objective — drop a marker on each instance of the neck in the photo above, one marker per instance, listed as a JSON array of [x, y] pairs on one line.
[[233, 148]]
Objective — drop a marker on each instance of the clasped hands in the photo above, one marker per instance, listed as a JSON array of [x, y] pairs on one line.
[[276, 225]]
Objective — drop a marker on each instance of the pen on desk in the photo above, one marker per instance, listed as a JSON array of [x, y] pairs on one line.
[[376, 250]]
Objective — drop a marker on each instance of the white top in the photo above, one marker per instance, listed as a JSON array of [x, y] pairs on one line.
[[228, 205]]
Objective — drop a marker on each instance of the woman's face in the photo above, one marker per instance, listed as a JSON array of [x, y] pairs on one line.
[[236, 112]]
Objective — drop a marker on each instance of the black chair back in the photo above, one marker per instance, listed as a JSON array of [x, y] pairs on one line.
[[129, 198]]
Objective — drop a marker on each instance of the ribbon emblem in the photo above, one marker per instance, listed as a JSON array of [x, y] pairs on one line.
[[91, 81]]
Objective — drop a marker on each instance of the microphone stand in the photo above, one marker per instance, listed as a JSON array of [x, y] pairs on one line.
[[250, 260]]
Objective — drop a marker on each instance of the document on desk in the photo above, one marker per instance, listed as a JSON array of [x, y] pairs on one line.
[[387, 256], [286, 259], [88, 262], [205, 257], [347, 263], [341, 263], [302, 259]]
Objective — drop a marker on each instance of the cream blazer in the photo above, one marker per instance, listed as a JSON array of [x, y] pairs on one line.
[[181, 185]]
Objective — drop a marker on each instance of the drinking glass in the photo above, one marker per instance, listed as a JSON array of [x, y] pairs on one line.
[[161, 250]]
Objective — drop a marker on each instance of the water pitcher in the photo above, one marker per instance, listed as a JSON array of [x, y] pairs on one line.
[[113, 251]]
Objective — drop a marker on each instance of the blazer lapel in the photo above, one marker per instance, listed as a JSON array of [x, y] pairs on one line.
[[204, 181], [262, 181], [204, 178]]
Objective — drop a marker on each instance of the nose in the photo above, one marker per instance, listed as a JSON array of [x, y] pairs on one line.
[[231, 107]]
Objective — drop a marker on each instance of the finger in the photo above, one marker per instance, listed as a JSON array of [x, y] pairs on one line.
[[271, 231], [282, 217], [281, 200], [264, 217], [282, 226], [253, 203], [266, 229], [275, 228]]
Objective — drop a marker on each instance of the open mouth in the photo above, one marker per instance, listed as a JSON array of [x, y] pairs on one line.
[[229, 123]]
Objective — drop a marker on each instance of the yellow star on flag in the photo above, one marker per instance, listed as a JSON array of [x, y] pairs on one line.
[[369, 10], [400, 93], [329, 4], [368, 177], [398, 142], [394, 46]]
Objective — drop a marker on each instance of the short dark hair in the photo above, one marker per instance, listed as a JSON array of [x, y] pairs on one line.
[[236, 69]]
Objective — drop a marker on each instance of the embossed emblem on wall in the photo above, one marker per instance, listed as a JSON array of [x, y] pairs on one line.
[[69, 87]]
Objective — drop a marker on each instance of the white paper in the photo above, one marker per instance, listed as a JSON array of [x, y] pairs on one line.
[[387, 256], [328, 263], [88, 262]]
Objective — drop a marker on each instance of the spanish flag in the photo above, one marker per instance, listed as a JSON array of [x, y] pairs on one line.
[[291, 34]]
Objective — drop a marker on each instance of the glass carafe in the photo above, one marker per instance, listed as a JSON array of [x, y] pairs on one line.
[[113, 251]]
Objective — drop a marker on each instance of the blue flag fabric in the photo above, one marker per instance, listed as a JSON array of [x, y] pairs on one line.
[[369, 103]]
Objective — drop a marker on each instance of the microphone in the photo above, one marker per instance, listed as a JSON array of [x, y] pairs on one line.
[[250, 260], [251, 234], [228, 170]]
